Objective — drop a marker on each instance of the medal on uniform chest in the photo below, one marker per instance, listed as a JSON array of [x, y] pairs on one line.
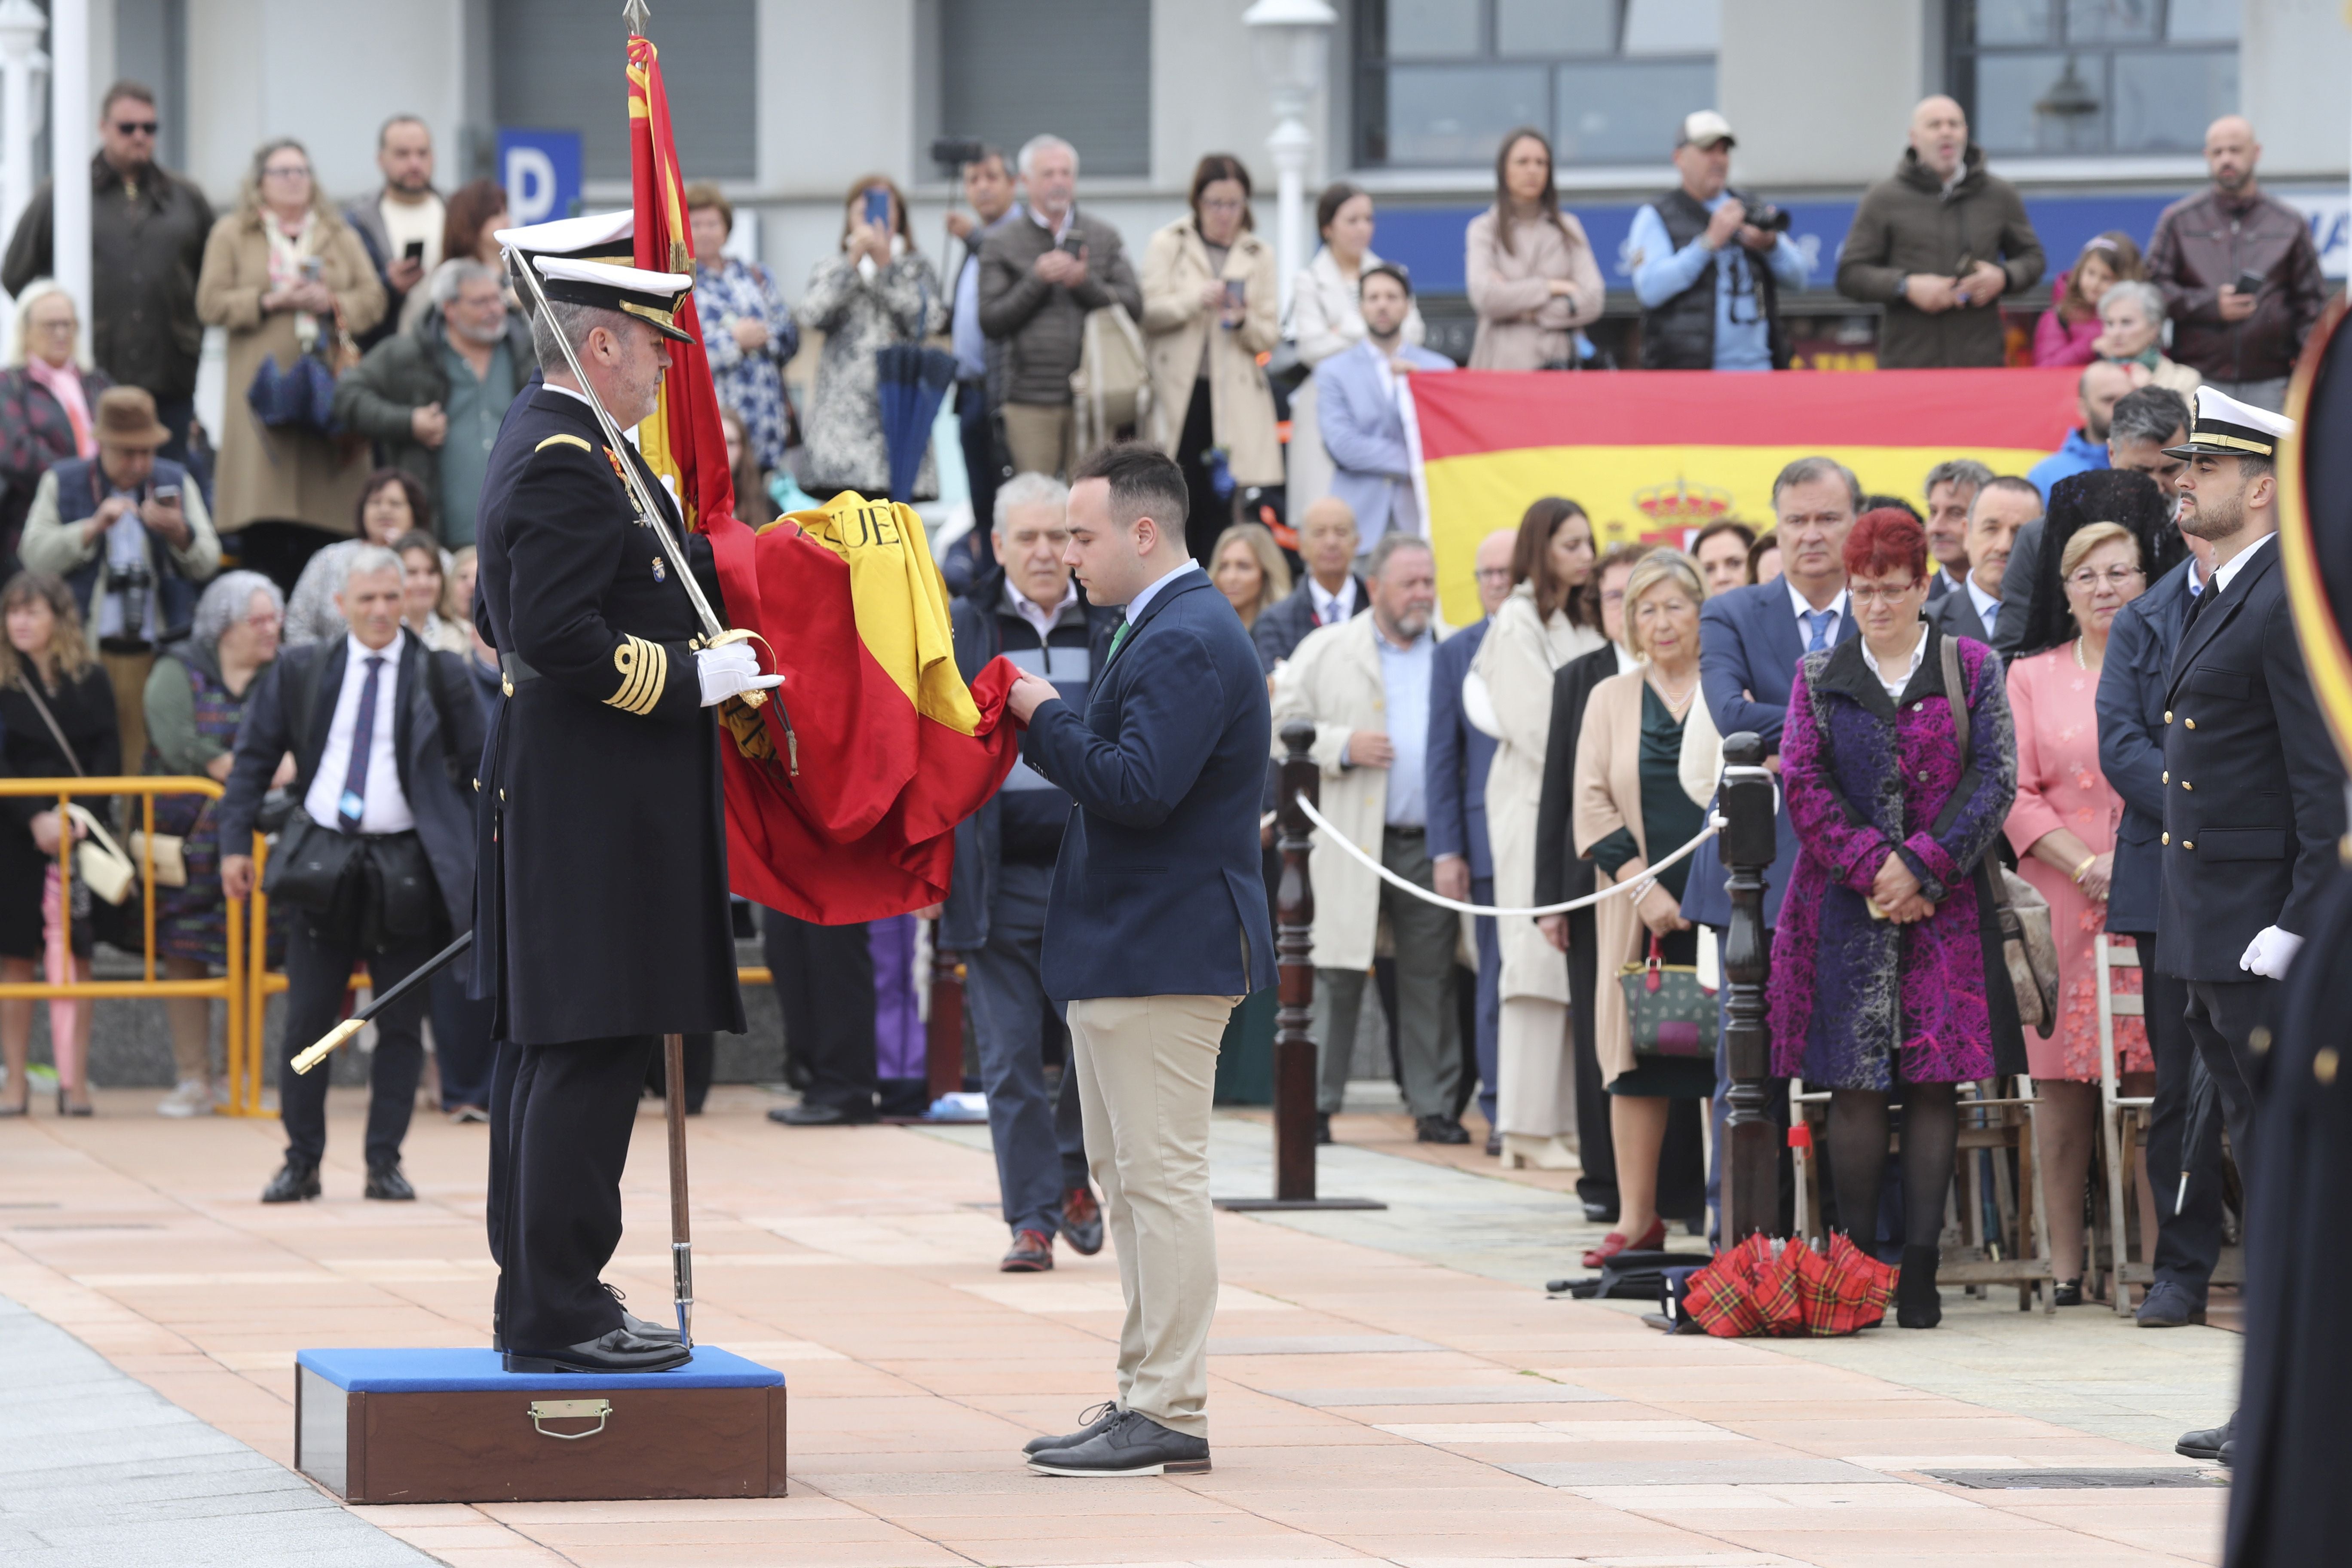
[[660, 574]]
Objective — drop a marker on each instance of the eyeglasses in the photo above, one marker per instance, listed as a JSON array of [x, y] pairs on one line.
[[1222, 206], [1876, 595], [135, 127], [2114, 577], [1493, 573], [287, 172]]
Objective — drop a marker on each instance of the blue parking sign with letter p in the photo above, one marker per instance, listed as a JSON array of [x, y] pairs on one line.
[[540, 171]]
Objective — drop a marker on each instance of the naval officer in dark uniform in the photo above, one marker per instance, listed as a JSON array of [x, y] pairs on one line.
[[2253, 798], [602, 903]]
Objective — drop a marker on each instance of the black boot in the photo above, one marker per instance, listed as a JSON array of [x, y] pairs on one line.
[[1917, 1304]]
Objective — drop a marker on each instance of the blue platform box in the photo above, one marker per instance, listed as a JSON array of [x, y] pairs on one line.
[[452, 1426]]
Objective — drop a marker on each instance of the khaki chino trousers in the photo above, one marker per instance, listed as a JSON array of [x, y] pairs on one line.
[[1146, 1070]]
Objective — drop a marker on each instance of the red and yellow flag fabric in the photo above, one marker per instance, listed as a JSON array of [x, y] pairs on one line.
[[844, 791], [683, 441], [1653, 455]]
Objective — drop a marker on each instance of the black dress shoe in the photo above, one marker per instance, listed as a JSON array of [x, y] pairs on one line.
[[619, 1351], [386, 1181], [294, 1182], [1439, 1130], [1918, 1304], [1031, 1253], [2168, 1305], [1132, 1444], [644, 1327], [2212, 1445], [1494, 1145], [1598, 1214], [1091, 1420], [806, 1115], [1322, 1127], [1082, 1222]]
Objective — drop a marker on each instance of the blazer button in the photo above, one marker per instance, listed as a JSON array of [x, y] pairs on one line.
[[2167, 775], [2167, 715], [2185, 844], [2323, 1063], [2167, 838], [2186, 785], [2190, 722]]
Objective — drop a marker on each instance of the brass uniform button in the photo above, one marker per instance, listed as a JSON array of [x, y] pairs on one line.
[[2324, 1065], [506, 683], [2190, 722], [2167, 715], [2167, 838], [2259, 1039], [2186, 785], [2168, 776], [2186, 844]]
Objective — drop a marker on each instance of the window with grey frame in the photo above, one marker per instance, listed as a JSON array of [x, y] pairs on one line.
[[2078, 77], [1438, 82]]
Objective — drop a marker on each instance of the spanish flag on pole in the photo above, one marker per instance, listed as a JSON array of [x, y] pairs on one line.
[[1651, 456], [843, 793]]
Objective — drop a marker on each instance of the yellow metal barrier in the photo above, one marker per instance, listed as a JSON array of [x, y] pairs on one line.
[[243, 1030]]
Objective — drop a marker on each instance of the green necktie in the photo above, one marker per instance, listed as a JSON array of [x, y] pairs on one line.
[[1117, 637]]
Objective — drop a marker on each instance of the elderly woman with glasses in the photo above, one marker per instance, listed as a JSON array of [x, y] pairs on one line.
[[2064, 829], [48, 398], [194, 701], [1888, 982]]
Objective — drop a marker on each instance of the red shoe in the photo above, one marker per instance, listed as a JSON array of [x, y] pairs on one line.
[[1612, 1244]]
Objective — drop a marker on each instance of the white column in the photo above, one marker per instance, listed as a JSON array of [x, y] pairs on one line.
[[70, 125], [22, 66], [1293, 40]]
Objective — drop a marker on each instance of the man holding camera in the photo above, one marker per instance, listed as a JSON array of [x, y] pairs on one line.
[[127, 531], [1709, 264]]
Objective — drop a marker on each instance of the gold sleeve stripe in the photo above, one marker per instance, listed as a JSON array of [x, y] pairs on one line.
[[563, 441], [644, 671]]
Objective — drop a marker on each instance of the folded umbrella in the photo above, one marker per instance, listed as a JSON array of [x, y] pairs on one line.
[[910, 382], [2201, 1095]]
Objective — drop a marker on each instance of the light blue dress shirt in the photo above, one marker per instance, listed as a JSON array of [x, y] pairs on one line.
[[1742, 336], [1404, 681]]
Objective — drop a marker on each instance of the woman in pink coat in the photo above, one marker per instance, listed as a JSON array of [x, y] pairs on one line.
[[2062, 827]]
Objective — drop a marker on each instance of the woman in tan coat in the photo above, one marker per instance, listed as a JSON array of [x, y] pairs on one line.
[[1547, 620], [277, 272], [1532, 275], [1211, 306], [1630, 801]]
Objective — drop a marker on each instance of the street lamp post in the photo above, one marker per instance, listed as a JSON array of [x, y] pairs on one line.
[[1292, 41], [70, 123]]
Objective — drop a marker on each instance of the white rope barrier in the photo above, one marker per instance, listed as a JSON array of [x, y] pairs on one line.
[[1638, 885]]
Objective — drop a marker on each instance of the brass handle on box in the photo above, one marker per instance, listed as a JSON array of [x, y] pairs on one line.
[[544, 1410]]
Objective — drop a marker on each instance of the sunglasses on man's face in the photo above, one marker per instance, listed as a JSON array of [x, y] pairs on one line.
[[135, 127]]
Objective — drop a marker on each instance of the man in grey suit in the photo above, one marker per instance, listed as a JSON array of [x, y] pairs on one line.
[[1360, 410], [2004, 505]]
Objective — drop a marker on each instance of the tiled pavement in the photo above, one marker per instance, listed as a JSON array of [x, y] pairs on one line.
[[1385, 1385]]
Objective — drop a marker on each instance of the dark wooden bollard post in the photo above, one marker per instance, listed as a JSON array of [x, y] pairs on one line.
[[1294, 952], [1751, 1156]]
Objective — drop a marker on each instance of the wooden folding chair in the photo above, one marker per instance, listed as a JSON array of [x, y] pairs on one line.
[[2123, 1118]]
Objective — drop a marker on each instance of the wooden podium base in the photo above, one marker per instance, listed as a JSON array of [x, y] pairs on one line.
[[452, 1426]]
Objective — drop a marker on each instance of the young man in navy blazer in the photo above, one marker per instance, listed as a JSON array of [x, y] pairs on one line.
[[1155, 929]]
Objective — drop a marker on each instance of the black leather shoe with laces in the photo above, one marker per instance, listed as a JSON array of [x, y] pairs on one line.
[[1091, 1420], [1133, 1444], [644, 1327], [387, 1182], [619, 1351]]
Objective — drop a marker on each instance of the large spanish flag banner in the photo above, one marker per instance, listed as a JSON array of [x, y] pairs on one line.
[[1655, 455]]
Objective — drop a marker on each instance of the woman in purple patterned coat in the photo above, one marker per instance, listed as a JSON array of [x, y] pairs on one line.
[[1881, 989]]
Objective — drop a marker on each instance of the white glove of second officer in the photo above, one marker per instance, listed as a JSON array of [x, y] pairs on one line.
[[2271, 951], [730, 671]]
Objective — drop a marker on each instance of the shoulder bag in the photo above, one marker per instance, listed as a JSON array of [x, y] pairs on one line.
[[99, 861], [2027, 949], [1669, 1013]]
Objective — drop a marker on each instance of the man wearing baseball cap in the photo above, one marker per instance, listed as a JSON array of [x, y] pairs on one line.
[[1708, 273]]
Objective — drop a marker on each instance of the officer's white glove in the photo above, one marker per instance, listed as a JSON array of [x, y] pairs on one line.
[[730, 671], [2271, 951]]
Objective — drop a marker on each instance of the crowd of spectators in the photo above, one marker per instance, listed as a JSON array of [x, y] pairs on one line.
[[1946, 682]]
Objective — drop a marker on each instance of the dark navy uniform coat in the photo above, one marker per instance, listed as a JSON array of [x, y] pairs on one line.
[[2253, 799], [602, 903]]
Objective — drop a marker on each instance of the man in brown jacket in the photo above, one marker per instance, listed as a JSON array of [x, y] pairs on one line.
[[2244, 341], [1938, 245], [1041, 272]]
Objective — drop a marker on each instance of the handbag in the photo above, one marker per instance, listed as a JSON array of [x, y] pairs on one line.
[[99, 861], [1669, 1013], [1111, 389], [2028, 949], [299, 397], [170, 855]]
